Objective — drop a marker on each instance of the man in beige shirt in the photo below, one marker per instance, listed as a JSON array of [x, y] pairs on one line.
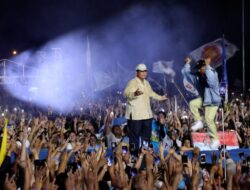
[[138, 110]]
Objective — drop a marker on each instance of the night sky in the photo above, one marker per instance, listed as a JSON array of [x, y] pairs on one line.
[[30, 24]]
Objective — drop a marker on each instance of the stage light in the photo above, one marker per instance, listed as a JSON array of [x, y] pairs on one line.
[[14, 52]]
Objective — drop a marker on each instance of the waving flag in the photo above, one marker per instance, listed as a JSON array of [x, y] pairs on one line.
[[214, 50], [164, 67], [3, 145], [224, 81]]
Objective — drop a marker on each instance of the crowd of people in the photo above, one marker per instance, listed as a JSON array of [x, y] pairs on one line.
[[88, 148]]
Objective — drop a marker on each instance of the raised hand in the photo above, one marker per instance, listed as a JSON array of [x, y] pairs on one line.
[[164, 97], [9, 183], [118, 152], [149, 160], [36, 121], [90, 172], [78, 178], [36, 148], [188, 60], [70, 181], [161, 150], [52, 185], [40, 178], [11, 147]]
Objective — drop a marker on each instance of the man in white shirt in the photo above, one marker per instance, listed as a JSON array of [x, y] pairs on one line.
[[138, 110]]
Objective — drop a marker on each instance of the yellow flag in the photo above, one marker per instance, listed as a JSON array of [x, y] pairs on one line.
[[3, 145]]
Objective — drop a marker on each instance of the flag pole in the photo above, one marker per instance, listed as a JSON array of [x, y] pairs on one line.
[[224, 144], [165, 83], [178, 89], [243, 47], [225, 84], [225, 77]]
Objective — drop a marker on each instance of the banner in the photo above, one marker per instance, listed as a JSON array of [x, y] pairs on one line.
[[202, 140], [214, 50]]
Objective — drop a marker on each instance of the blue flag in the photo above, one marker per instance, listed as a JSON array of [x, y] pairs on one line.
[[224, 81]]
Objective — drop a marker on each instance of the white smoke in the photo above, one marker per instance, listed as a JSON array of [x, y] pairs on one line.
[[139, 34]]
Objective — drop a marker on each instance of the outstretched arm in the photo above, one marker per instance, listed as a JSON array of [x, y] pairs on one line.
[[156, 96]]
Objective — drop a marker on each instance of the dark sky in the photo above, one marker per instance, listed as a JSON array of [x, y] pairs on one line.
[[29, 24]]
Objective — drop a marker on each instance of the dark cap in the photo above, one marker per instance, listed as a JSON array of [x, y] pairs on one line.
[[201, 63]]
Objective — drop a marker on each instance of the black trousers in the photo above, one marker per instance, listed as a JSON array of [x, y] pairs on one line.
[[139, 129]]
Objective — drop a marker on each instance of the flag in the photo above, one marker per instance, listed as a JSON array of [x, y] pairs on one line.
[[202, 140], [214, 50], [175, 105], [224, 81], [164, 67], [90, 80], [88, 58], [150, 79], [3, 145]]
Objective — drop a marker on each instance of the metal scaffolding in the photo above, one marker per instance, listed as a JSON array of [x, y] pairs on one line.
[[11, 71]]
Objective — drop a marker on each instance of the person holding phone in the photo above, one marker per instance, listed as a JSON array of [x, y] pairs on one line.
[[138, 110]]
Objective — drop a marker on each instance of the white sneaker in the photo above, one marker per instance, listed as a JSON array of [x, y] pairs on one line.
[[198, 125], [214, 144]]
